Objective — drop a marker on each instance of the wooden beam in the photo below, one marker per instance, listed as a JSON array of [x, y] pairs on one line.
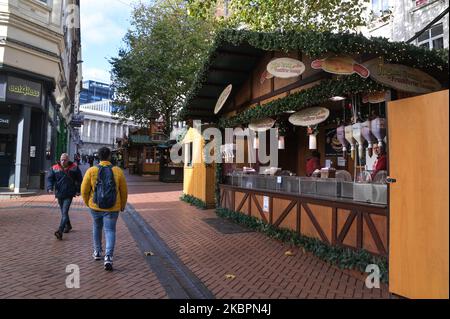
[[315, 223]]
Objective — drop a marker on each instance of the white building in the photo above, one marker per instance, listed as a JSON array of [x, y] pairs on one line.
[[100, 127], [400, 20]]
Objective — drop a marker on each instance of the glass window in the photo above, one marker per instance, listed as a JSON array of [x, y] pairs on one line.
[[438, 43], [379, 7], [432, 38], [437, 30]]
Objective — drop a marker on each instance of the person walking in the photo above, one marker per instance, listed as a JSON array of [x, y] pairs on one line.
[[64, 180], [104, 191]]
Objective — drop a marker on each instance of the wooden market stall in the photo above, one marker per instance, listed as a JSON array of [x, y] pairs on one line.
[[345, 96], [199, 177]]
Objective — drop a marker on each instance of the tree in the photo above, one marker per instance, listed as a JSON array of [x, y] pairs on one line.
[[153, 73], [281, 15]]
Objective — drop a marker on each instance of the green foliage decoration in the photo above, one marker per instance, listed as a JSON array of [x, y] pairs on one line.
[[343, 258], [193, 201], [317, 45]]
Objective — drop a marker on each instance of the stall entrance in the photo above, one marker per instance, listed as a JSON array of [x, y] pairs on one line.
[[419, 209]]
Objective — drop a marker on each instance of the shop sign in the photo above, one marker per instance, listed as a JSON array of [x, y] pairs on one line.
[[33, 151], [310, 116], [333, 146], [376, 97], [77, 120], [222, 98], [403, 78], [140, 139], [24, 91], [285, 68], [340, 65], [261, 125], [5, 121]]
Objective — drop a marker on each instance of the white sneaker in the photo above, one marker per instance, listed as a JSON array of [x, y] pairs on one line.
[[97, 255], [108, 263]]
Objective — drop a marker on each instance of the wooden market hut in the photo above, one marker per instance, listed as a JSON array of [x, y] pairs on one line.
[[409, 228]]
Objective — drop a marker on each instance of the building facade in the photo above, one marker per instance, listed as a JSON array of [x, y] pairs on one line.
[[39, 73], [100, 127], [94, 91], [400, 20]]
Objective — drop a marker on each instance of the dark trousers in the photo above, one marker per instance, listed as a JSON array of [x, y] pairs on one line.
[[64, 205]]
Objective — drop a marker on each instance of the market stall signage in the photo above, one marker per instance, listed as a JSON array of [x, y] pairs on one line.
[[223, 98], [310, 116], [140, 139], [376, 97], [285, 68], [402, 77], [340, 65], [25, 91], [261, 125]]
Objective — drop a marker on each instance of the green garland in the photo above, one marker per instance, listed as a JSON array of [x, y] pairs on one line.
[[309, 97], [316, 44], [193, 201], [344, 258]]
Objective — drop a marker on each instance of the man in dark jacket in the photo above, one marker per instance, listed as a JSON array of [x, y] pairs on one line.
[[65, 177]]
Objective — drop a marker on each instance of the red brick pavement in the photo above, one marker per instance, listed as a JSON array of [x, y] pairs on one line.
[[261, 268], [33, 262]]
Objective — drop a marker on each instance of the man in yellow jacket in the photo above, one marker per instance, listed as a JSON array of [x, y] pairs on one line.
[[104, 216]]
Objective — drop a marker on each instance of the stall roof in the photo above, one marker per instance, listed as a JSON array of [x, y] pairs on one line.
[[236, 52]]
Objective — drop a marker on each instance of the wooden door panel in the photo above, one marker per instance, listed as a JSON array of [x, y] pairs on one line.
[[418, 131]]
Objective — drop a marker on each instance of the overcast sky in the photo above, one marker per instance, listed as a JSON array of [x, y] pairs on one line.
[[103, 25]]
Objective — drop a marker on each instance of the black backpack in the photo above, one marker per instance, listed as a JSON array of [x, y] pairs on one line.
[[105, 189]]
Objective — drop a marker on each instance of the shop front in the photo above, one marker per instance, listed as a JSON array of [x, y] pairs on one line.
[[344, 112], [144, 154], [24, 113]]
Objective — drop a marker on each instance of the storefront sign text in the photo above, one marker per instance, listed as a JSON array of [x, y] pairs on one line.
[[5, 120], [402, 77], [285, 68], [21, 90], [309, 117]]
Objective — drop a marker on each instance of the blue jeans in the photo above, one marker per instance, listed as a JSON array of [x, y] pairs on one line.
[[64, 205], [109, 219]]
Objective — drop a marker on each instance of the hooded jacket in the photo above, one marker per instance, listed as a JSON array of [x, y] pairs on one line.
[[65, 181]]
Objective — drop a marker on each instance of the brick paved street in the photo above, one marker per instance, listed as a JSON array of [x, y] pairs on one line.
[[186, 256]]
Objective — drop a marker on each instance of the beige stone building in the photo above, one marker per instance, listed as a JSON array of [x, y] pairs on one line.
[[40, 77]]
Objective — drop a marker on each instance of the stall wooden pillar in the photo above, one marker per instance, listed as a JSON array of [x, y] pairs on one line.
[[419, 209]]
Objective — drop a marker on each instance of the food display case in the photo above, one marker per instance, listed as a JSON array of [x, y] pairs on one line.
[[370, 193], [328, 187], [367, 192], [308, 185]]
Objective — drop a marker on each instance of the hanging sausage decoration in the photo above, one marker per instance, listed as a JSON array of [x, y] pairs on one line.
[[340, 133], [378, 128], [367, 133], [340, 65], [357, 135], [349, 137]]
